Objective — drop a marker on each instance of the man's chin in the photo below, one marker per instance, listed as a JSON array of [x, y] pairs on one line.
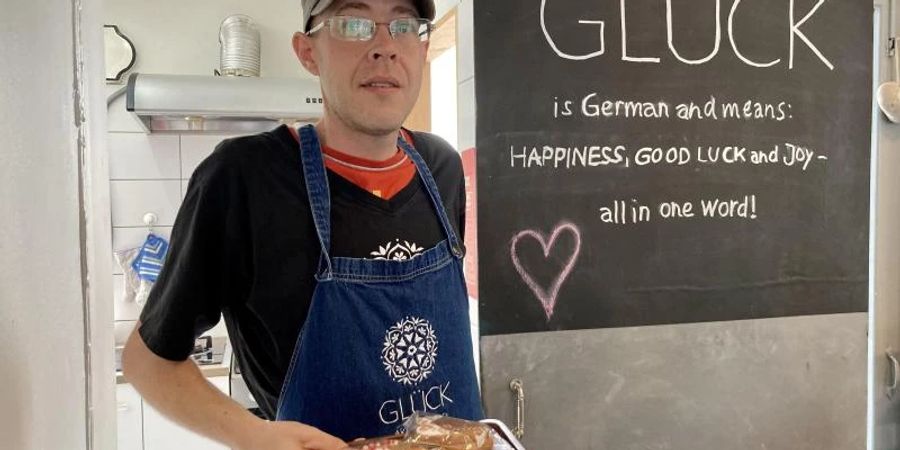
[[371, 121], [378, 128]]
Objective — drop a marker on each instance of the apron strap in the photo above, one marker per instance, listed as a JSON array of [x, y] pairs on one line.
[[317, 189], [435, 196], [319, 195]]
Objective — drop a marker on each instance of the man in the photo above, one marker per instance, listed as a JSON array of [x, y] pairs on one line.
[[341, 288]]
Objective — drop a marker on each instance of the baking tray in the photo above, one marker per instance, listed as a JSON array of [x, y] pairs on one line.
[[504, 432]]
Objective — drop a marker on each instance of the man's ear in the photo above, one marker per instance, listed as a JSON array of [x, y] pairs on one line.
[[304, 50]]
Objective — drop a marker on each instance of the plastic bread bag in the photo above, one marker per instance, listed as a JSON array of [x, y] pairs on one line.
[[132, 282], [447, 433]]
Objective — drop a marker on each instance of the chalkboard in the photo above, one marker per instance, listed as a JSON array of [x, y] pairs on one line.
[[665, 161]]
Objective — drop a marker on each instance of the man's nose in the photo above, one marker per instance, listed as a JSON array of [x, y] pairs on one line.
[[383, 45]]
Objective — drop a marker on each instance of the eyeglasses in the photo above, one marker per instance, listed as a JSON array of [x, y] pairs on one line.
[[349, 28]]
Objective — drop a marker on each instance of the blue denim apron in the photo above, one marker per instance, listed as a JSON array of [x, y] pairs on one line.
[[383, 338]]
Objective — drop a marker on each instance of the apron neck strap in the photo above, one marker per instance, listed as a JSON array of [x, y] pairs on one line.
[[319, 195], [317, 189], [435, 196]]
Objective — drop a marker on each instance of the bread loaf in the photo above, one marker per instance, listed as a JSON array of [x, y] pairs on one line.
[[448, 433], [383, 443]]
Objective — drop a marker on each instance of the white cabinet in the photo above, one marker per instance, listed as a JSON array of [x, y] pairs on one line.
[[162, 434], [143, 428], [220, 382], [129, 418]]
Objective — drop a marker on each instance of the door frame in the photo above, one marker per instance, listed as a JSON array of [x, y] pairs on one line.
[[95, 227]]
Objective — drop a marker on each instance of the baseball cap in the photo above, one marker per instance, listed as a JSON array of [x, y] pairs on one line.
[[311, 8]]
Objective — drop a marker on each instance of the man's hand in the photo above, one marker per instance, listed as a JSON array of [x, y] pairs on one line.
[[289, 436]]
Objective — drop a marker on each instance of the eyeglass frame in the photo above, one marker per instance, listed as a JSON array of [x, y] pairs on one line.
[[422, 21]]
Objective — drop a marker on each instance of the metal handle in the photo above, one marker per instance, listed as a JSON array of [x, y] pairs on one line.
[[895, 372], [517, 386]]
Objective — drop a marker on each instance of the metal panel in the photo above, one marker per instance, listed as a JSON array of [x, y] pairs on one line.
[[796, 383], [192, 103], [885, 252]]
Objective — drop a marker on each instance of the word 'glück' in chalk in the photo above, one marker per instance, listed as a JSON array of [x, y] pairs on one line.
[[790, 26]]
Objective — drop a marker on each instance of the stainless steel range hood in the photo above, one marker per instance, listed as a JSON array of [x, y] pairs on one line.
[[193, 103]]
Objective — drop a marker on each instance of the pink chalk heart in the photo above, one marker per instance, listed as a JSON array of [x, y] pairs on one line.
[[547, 297]]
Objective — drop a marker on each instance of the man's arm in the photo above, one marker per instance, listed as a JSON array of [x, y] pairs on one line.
[[180, 391]]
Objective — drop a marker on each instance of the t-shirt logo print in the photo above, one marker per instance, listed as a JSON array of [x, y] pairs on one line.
[[397, 251], [410, 350]]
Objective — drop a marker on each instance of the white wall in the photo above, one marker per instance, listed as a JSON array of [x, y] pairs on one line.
[[444, 97], [45, 108], [172, 36], [465, 74], [441, 7]]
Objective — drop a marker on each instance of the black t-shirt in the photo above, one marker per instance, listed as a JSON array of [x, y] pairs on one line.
[[244, 246]]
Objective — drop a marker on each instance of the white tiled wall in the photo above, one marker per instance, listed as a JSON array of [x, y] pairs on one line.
[[138, 156], [194, 149], [126, 309], [148, 174], [132, 199]]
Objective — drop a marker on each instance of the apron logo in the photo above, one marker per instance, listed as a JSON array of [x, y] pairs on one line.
[[430, 401], [410, 351]]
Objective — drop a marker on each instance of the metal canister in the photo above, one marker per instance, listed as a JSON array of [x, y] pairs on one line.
[[239, 50]]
